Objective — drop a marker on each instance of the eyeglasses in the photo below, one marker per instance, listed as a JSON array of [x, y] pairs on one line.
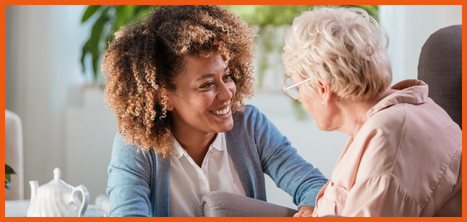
[[291, 89]]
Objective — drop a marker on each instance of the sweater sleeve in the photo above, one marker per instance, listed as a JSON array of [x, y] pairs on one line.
[[129, 181], [282, 163]]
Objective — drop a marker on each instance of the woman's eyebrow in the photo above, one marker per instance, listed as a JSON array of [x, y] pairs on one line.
[[205, 76]]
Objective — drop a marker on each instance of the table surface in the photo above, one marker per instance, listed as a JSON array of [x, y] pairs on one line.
[[19, 208]]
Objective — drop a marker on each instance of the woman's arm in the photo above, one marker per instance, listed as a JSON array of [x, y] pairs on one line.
[[282, 163], [129, 181]]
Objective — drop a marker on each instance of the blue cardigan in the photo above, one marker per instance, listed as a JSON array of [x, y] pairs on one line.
[[138, 183]]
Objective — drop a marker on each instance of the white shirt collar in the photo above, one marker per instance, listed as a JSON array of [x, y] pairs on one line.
[[178, 149], [216, 144], [189, 182]]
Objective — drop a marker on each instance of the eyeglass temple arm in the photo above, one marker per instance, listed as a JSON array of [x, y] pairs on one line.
[[297, 83]]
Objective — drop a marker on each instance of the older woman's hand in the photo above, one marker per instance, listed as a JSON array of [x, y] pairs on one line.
[[305, 211]]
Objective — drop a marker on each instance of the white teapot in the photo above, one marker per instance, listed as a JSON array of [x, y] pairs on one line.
[[57, 199]]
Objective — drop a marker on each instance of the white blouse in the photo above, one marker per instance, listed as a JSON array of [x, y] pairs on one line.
[[189, 182]]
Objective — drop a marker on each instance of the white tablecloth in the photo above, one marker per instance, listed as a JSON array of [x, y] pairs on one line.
[[19, 208]]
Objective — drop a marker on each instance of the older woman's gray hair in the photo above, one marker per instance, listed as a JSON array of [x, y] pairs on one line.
[[340, 46]]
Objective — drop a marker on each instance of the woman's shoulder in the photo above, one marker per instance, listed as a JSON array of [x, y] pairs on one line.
[[389, 118], [404, 141], [123, 150], [120, 145], [377, 142], [246, 110], [247, 116], [382, 129]]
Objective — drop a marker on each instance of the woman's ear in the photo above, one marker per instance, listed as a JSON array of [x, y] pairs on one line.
[[324, 91], [169, 106], [160, 97]]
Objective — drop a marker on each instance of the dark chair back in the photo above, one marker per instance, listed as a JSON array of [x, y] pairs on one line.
[[440, 66]]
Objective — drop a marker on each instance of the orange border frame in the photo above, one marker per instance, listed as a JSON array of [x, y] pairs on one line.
[[224, 2]]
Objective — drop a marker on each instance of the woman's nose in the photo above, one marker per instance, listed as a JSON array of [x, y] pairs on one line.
[[225, 91]]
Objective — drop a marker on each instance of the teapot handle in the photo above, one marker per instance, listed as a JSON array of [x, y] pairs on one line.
[[85, 203]]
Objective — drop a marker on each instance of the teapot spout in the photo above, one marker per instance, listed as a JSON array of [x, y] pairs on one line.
[[34, 185]]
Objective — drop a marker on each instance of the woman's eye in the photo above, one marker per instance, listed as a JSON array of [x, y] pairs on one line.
[[207, 85], [228, 77]]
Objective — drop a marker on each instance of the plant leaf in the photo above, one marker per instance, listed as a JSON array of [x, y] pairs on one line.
[[123, 15], [9, 170], [92, 45], [89, 12], [141, 12], [8, 177], [96, 35], [110, 19], [83, 55]]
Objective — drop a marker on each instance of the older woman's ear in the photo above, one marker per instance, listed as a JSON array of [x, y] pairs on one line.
[[324, 92]]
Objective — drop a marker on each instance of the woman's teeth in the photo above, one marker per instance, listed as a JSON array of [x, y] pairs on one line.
[[221, 112]]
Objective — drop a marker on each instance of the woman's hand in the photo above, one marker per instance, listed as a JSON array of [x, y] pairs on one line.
[[304, 211]]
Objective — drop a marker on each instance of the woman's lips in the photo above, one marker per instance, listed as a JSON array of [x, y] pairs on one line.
[[221, 112]]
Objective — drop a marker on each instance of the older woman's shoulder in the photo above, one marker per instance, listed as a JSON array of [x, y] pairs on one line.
[[386, 125], [389, 119], [378, 141]]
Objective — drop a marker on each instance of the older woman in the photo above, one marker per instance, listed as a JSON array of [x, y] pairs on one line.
[[176, 83], [403, 157]]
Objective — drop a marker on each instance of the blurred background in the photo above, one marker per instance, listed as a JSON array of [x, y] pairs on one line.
[[53, 83]]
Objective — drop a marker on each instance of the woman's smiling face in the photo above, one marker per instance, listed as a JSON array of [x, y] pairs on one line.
[[203, 97]]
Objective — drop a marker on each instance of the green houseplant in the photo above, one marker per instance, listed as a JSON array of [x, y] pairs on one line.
[[106, 19]]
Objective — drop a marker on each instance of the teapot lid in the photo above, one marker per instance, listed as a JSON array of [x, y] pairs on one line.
[[56, 183]]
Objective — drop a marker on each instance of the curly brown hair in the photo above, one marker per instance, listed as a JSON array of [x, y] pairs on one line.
[[141, 63]]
